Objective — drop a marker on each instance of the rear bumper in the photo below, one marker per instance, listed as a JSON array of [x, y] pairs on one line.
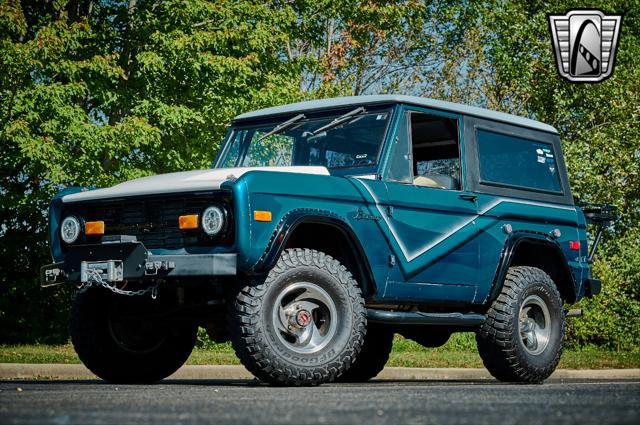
[[134, 262]]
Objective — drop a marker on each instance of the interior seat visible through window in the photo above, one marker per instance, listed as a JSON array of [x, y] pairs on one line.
[[435, 151]]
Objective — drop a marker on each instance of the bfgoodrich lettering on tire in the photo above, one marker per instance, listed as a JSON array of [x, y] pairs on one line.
[[304, 325], [521, 340]]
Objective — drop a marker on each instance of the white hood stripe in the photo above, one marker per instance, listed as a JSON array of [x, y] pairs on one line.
[[186, 181]]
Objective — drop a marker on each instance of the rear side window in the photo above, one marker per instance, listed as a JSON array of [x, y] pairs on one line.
[[513, 161]]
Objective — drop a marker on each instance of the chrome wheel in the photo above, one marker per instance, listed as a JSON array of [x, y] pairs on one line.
[[304, 317], [535, 324]]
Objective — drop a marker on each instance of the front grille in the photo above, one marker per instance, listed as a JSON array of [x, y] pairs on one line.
[[154, 220]]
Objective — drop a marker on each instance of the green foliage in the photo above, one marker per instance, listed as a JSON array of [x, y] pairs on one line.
[[505, 61], [204, 342], [94, 92], [611, 319], [460, 351], [97, 92], [599, 127]]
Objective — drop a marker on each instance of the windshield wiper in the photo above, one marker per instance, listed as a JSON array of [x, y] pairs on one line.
[[340, 120], [281, 127]]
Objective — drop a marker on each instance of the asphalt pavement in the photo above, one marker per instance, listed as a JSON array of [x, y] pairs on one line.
[[378, 402]]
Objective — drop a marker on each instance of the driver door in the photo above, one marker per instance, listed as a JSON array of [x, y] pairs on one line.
[[432, 219]]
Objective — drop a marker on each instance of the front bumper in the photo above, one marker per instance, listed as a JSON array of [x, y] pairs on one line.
[[132, 261]]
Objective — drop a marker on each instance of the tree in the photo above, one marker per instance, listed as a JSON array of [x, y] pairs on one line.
[[93, 92], [96, 92], [505, 62], [356, 47]]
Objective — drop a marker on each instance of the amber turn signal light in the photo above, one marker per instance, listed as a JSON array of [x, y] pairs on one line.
[[262, 215], [94, 228], [188, 222]]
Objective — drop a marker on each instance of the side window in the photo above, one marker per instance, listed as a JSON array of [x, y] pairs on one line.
[[435, 151], [400, 162], [514, 161]]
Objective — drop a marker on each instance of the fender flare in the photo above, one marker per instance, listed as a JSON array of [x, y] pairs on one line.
[[506, 257], [290, 221]]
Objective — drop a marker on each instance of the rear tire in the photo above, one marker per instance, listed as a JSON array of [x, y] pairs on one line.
[[374, 355], [303, 325], [106, 344], [521, 340]]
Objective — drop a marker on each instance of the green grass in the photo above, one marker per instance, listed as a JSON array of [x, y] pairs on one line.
[[460, 351]]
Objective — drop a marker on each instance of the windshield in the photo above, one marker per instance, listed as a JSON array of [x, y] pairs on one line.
[[336, 141]]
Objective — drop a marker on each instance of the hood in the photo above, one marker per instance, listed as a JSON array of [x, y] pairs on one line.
[[186, 181]]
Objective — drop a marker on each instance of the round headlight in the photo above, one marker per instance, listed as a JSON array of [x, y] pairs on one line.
[[212, 220], [70, 229]]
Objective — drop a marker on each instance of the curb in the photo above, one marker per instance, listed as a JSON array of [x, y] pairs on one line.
[[10, 371]]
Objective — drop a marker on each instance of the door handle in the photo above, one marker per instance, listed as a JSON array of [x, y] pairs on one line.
[[471, 198]]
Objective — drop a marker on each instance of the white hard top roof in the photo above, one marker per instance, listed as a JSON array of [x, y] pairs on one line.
[[338, 102]]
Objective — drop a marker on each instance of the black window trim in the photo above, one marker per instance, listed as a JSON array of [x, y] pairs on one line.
[[471, 162]]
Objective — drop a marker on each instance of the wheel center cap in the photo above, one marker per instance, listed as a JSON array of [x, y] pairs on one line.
[[303, 318]]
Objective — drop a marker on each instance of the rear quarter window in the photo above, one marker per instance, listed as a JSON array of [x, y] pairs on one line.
[[507, 160]]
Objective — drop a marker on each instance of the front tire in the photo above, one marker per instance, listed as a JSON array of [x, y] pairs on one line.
[[521, 340], [123, 350], [303, 325]]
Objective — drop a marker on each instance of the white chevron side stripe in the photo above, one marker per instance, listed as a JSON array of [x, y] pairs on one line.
[[410, 256]]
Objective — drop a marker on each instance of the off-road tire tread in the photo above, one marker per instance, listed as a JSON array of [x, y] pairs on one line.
[[498, 339], [250, 342]]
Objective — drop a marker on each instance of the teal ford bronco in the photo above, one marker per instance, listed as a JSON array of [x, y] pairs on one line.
[[324, 228]]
